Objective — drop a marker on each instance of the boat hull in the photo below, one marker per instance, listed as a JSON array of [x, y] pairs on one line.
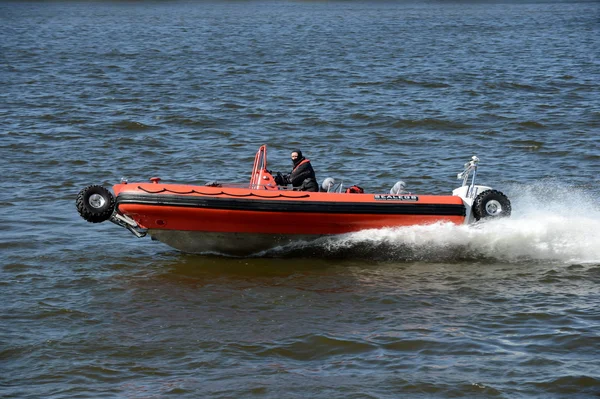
[[232, 244], [241, 221]]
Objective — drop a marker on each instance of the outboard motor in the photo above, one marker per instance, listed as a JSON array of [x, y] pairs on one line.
[[398, 188]]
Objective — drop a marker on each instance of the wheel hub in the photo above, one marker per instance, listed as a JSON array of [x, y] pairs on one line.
[[493, 208], [96, 201]]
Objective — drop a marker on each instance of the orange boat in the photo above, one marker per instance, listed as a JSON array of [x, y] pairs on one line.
[[236, 219]]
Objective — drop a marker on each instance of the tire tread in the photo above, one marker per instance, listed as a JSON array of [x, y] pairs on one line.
[[89, 214], [479, 204]]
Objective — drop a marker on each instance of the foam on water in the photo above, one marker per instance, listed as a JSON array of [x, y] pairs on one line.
[[550, 222]]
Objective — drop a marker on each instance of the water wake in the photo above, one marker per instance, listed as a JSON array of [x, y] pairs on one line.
[[549, 223]]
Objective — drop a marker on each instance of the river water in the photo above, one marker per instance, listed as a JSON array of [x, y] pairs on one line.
[[372, 93]]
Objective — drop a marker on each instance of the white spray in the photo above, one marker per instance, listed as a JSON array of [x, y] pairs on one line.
[[550, 222]]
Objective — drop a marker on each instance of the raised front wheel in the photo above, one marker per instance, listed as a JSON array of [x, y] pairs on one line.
[[95, 204], [491, 204]]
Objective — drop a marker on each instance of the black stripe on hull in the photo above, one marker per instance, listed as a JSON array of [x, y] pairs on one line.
[[257, 205]]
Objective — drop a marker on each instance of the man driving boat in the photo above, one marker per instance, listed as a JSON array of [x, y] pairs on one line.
[[302, 177]]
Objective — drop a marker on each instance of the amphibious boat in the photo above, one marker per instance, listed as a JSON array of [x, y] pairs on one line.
[[243, 219]]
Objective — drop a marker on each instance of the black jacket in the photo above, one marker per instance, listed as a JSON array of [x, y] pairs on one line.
[[302, 177]]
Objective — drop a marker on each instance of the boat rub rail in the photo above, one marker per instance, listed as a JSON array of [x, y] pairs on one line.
[[240, 204]]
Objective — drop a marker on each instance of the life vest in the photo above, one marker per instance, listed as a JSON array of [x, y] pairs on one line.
[[303, 162], [355, 190]]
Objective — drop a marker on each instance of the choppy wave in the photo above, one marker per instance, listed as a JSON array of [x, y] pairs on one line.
[[132, 126], [426, 84], [383, 121], [531, 125]]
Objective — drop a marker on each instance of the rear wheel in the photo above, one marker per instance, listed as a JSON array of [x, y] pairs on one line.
[[491, 204], [95, 203]]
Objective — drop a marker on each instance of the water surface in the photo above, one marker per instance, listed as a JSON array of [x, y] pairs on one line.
[[372, 93]]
